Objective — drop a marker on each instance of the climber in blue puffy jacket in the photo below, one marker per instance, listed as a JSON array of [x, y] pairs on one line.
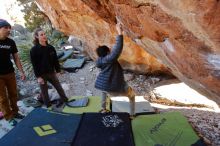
[[111, 79]]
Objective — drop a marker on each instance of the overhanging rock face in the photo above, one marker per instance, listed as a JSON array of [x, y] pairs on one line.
[[183, 35]]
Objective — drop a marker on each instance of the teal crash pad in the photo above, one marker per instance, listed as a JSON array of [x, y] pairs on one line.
[[73, 63], [66, 55]]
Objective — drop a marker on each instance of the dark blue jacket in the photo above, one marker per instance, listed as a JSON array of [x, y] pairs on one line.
[[111, 78]]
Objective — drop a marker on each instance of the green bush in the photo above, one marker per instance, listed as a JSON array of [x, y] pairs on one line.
[[24, 54]]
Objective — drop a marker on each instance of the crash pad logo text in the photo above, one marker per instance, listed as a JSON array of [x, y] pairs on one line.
[[111, 120], [157, 126]]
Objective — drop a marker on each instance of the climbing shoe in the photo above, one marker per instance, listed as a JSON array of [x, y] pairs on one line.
[[18, 116], [104, 111], [12, 122]]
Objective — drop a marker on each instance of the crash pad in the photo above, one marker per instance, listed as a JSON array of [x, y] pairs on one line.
[[60, 53], [66, 55], [43, 128], [71, 64], [110, 129], [31, 102], [122, 104], [165, 129]]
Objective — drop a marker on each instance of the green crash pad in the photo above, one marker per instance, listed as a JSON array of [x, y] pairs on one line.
[[94, 105], [167, 129]]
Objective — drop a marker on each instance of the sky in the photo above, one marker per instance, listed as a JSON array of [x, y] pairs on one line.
[[11, 11]]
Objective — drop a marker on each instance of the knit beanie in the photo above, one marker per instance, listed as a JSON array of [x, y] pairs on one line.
[[4, 23]]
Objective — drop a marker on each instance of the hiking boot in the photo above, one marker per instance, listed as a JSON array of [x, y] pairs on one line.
[[12, 122], [60, 104], [19, 116], [40, 98], [132, 117], [48, 104], [65, 99]]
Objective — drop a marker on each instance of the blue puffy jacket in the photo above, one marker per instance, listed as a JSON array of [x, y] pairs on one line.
[[111, 78]]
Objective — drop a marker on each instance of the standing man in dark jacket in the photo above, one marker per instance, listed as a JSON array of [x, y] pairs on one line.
[[45, 63], [111, 79], [8, 89]]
